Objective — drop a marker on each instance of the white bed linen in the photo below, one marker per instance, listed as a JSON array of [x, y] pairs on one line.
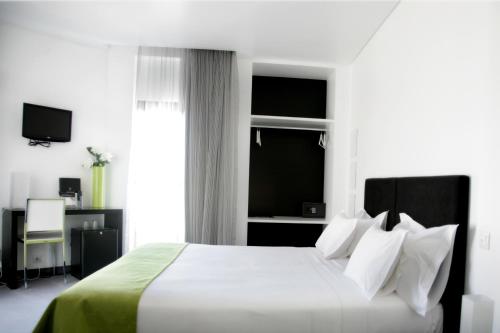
[[214, 289]]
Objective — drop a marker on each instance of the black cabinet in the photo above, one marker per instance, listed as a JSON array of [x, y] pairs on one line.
[[92, 249], [287, 162], [289, 97]]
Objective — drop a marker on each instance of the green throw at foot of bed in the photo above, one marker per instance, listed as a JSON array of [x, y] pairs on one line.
[[107, 301]]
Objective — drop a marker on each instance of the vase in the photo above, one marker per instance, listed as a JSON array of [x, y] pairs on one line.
[[98, 187]]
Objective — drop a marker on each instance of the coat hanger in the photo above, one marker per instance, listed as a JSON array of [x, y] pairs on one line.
[[322, 140]]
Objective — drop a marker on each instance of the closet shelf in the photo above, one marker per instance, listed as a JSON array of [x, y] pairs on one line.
[[312, 124], [288, 219]]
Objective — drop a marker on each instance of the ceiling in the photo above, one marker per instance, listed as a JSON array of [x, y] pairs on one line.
[[316, 32]]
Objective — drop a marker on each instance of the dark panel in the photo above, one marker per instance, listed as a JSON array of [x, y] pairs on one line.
[[100, 248], [380, 196], [288, 97], [283, 234], [436, 201], [113, 219], [76, 252], [9, 248], [92, 250], [287, 170], [432, 201]]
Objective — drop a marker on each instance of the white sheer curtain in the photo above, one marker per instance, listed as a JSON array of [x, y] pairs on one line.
[[157, 162], [183, 161]]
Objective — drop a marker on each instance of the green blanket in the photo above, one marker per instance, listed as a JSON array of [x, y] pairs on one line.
[[107, 301]]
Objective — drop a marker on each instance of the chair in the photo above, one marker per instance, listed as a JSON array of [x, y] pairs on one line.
[[44, 224]]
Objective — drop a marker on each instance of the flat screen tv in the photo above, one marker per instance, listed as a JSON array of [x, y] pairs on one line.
[[43, 123]]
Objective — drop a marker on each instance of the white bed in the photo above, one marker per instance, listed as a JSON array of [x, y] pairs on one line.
[[268, 289]]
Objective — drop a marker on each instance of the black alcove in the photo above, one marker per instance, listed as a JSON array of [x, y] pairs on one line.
[[287, 170]]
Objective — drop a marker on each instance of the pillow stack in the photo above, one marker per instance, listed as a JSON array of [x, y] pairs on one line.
[[410, 260], [374, 252]]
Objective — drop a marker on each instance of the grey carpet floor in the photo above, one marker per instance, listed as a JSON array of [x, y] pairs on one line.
[[21, 308]]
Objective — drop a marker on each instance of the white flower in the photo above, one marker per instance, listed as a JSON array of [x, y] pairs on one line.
[[106, 157], [99, 158], [88, 163]]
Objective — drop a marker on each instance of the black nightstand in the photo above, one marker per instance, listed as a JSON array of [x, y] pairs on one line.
[[92, 249]]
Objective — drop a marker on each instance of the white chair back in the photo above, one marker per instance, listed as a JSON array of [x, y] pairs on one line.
[[45, 215]]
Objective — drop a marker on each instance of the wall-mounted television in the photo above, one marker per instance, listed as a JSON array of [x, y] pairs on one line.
[[43, 123]]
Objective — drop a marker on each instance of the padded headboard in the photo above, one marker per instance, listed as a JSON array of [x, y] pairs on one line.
[[431, 201]]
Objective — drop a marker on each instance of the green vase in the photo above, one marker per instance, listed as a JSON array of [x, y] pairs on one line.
[[98, 187]]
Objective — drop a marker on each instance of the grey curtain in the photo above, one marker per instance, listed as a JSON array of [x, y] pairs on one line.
[[210, 102]]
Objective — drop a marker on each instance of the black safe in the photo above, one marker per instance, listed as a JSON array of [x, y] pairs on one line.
[[314, 209], [92, 249]]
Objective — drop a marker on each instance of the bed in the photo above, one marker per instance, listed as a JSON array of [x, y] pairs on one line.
[[264, 289]]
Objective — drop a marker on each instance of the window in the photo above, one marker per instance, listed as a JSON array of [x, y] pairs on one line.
[[156, 175]]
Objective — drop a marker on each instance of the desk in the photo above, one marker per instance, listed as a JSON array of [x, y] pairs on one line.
[[113, 218]]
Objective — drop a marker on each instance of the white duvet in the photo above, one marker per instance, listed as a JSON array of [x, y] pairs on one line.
[[214, 289]]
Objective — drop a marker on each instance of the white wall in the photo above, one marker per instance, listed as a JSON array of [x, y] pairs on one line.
[[95, 82], [339, 185], [425, 100], [245, 102]]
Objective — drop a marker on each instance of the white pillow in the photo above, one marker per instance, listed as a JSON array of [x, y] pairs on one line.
[[337, 236], [362, 214], [365, 221], [422, 273], [374, 259], [408, 224]]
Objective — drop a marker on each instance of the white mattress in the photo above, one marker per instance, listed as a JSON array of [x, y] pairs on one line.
[[268, 289]]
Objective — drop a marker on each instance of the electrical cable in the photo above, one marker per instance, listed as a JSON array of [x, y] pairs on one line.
[[33, 143]]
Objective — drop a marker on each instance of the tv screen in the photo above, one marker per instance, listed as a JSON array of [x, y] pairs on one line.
[[44, 123]]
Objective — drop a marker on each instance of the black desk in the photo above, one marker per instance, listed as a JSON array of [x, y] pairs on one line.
[[113, 218]]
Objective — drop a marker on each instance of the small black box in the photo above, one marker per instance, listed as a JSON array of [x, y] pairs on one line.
[[69, 186], [313, 209]]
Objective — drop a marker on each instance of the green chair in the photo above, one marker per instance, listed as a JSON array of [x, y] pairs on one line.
[[43, 224]]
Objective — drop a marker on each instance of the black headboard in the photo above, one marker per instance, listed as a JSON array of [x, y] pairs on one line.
[[431, 201]]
